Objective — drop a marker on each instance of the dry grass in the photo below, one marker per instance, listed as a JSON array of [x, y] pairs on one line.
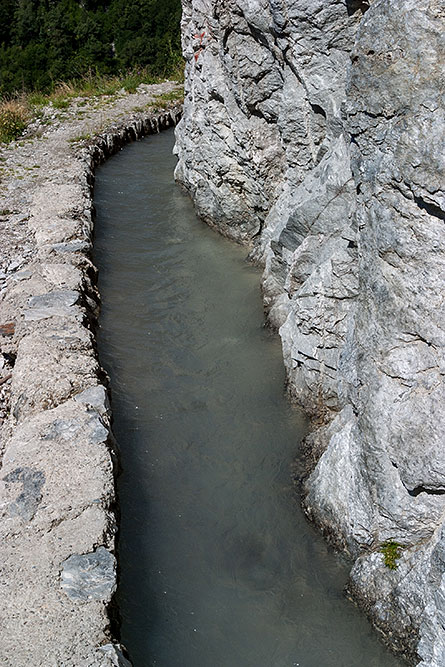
[[14, 116], [16, 112]]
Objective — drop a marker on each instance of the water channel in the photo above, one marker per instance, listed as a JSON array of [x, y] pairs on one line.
[[218, 566]]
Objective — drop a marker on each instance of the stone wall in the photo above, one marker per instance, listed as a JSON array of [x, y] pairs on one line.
[[313, 131], [57, 481]]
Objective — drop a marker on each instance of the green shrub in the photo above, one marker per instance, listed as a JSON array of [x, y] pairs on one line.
[[37, 99]]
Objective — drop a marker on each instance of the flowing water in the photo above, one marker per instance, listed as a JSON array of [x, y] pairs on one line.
[[218, 566]]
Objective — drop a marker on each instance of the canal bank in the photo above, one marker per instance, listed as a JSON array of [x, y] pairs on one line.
[[57, 496]]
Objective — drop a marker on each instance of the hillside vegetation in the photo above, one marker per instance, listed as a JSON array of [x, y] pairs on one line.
[[44, 42]]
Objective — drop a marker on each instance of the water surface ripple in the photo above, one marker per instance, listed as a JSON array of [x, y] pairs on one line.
[[218, 566]]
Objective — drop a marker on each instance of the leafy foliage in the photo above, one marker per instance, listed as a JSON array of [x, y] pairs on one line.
[[43, 42]]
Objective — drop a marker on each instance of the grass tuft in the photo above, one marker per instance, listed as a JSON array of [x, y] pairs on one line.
[[165, 101], [391, 552], [14, 115]]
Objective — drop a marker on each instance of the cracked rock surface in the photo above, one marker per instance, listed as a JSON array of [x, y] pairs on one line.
[[57, 454], [314, 133]]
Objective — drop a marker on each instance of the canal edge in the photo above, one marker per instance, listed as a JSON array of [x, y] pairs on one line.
[[57, 481]]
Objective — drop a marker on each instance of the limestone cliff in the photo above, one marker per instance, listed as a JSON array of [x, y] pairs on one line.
[[313, 130]]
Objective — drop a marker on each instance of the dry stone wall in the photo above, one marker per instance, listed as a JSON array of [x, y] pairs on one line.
[[57, 491], [313, 131]]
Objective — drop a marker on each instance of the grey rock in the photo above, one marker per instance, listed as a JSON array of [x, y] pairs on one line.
[[28, 500], [22, 275], [57, 303], [314, 132], [114, 653], [72, 246], [14, 265], [91, 576], [69, 429], [96, 397], [97, 431]]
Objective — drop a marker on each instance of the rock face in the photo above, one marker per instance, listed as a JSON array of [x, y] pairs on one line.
[[314, 131]]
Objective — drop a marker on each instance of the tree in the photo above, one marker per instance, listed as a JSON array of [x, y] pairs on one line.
[[46, 41]]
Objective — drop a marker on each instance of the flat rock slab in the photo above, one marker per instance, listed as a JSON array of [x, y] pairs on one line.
[[56, 303], [96, 397], [72, 246]]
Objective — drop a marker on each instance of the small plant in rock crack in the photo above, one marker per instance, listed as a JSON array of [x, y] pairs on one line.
[[391, 553]]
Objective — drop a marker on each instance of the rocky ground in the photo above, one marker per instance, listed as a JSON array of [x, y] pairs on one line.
[[57, 521]]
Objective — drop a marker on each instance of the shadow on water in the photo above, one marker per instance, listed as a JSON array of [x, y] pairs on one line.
[[218, 566]]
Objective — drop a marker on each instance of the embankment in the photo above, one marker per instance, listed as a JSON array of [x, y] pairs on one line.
[[57, 493]]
